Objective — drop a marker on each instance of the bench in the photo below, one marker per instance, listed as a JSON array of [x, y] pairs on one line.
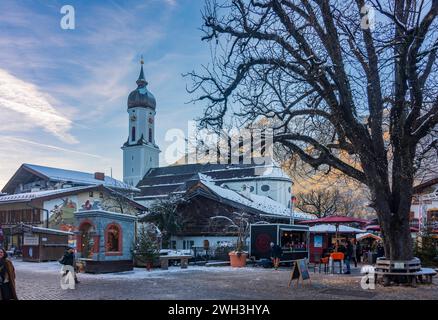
[[413, 277], [164, 261]]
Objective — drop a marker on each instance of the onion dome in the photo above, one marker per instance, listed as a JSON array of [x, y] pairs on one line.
[[141, 97]]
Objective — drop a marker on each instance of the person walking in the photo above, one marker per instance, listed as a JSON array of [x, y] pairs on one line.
[[358, 252], [68, 259], [348, 256], [276, 253], [7, 277], [354, 253]]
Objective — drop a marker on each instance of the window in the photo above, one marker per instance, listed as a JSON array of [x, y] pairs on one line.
[[290, 190], [265, 188], [133, 134], [173, 245], [113, 239], [150, 135], [132, 158], [188, 244], [101, 195], [91, 194], [251, 189]]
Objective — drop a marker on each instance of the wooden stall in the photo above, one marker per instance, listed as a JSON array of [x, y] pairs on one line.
[[41, 244]]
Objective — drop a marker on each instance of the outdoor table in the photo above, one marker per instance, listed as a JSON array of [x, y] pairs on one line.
[[164, 261]]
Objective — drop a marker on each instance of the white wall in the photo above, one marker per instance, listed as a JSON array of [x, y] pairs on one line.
[[199, 241], [279, 190]]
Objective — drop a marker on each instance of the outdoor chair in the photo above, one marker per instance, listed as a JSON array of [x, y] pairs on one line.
[[337, 257], [325, 262]]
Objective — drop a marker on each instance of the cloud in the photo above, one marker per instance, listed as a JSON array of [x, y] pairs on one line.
[[34, 107], [14, 151]]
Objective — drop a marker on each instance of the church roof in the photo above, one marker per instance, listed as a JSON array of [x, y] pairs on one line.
[[164, 180], [141, 97]]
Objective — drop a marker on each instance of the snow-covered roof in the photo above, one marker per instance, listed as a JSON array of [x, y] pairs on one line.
[[330, 228], [20, 197], [261, 203], [79, 177], [46, 230]]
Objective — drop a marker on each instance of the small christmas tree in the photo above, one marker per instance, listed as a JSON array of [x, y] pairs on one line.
[[426, 248], [146, 248]]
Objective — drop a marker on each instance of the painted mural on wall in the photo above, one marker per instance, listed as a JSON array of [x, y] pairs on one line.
[[62, 215]]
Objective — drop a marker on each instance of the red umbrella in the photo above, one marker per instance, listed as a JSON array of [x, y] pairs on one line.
[[377, 228], [336, 220]]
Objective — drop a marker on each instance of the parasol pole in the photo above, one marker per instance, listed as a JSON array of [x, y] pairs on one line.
[[336, 243]]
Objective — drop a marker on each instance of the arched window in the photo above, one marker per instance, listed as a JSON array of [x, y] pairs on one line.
[[265, 188], [86, 241], [133, 134], [113, 239], [150, 135]]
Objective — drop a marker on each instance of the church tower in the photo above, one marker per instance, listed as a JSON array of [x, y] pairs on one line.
[[140, 153]]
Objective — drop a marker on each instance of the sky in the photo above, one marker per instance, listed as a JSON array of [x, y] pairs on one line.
[[63, 93]]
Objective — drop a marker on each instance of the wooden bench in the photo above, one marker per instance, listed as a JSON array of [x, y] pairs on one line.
[[413, 277], [164, 261]]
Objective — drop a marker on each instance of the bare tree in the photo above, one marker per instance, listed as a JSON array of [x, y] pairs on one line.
[[339, 94], [322, 203]]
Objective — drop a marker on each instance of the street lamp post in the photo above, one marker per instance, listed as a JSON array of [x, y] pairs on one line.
[[292, 213]]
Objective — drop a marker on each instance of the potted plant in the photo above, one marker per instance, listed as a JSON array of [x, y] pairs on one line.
[[146, 249], [241, 224]]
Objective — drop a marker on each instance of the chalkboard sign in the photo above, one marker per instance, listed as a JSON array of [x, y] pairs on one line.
[[299, 271], [304, 270]]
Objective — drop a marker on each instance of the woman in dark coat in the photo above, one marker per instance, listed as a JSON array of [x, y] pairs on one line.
[[7, 277]]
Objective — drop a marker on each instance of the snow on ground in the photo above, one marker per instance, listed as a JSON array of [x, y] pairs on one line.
[[136, 274]]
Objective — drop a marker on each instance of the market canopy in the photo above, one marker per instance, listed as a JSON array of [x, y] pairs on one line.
[[377, 228], [335, 220], [328, 228], [366, 235]]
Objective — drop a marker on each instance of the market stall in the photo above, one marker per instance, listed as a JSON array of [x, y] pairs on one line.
[[323, 238], [41, 244], [293, 239]]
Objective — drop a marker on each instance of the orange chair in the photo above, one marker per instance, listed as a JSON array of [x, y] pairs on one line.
[[325, 262], [339, 257]]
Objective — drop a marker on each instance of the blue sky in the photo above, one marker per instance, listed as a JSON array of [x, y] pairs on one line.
[[63, 92]]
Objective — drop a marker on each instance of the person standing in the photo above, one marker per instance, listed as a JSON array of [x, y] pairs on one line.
[[348, 256], [358, 252], [69, 260], [354, 253], [276, 253], [7, 277]]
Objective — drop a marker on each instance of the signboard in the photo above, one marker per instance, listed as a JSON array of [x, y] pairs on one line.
[[399, 265], [300, 271], [30, 240], [317, 241]]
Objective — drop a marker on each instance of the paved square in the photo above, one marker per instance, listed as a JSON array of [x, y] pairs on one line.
[[41, 281]]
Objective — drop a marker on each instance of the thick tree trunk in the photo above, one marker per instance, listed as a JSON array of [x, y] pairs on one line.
[[395, 226]]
